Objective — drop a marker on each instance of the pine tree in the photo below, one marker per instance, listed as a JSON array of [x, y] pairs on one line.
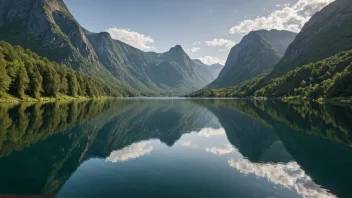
[[64, 83], [5, 80], [22, 81], [72, 83]]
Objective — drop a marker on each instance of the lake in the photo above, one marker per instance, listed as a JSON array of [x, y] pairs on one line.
[[176, 148]]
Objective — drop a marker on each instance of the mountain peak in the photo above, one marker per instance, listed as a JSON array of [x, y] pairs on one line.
[[197, 61], [257, 52], [177, 48]]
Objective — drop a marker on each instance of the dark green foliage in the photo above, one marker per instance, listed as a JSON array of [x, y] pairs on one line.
[[23, 73], [327, 33], [240, 90], [72, 83], [5, 80], [323, 79], [328, 78]]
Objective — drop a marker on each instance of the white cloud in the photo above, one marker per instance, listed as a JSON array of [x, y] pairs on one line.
[[220, 150], [133, 151], [209, 60], [208, 132], [227, 44], [289, 17], [196, 43], [135, 39], [288, 175], [190, 144], [193, 49]]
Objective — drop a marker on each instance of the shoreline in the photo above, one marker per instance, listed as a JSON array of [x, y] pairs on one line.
[[11, 100]]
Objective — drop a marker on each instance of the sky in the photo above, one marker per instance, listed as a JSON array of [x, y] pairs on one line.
[[206, 29]]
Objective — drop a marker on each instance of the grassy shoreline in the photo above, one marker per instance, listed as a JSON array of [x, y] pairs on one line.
[[12, 99]]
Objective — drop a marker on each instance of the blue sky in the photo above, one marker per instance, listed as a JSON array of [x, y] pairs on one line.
[[206, 29]]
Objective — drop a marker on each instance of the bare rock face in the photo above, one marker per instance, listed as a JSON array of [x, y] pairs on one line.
[[257, 53], [49, 26], [172, 72], [49, 29], [327, 33]]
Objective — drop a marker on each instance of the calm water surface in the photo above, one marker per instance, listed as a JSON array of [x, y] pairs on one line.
[[176, 148]]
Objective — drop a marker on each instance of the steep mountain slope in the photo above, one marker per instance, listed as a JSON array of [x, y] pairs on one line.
[[279, 39], [316, 64], [177, 70], [214, 69], [327, 33], [49, 29], [325, 79], [172, 72], [254, 55]]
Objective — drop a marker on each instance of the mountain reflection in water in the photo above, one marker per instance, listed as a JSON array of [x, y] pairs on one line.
[[176, 148]]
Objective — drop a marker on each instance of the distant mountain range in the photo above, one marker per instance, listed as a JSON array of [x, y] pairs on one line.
[[49, 29], [215, 69]]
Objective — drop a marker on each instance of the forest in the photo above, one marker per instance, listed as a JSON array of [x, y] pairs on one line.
[[327, 79], [25, 75]]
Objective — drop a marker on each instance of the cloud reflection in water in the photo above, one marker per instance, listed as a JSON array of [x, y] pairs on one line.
[[289, 175], [220, 150], [208, 132], [133, 151]]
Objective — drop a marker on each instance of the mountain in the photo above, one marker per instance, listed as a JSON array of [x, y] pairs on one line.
[[315, 66], [214, 69], [258, 52], [25, 75], [149, 72], [327, 33], [48, 28]]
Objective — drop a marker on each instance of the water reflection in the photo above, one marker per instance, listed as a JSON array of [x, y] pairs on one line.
[[133, 151], [289, 175], [207, 132], [180, 148], [220, 150]]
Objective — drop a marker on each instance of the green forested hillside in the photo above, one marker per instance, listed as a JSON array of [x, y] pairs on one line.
[[49, 29], [327, 33], [328, 78], [24, 74]]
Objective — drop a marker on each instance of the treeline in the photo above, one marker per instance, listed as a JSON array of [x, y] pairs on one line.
[[241, 90], [328, 78], [25, 74]]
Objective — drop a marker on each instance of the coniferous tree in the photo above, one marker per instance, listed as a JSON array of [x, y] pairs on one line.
[[24, 73], [35, 80], [63, 82], [5, 80], [72, 83]]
